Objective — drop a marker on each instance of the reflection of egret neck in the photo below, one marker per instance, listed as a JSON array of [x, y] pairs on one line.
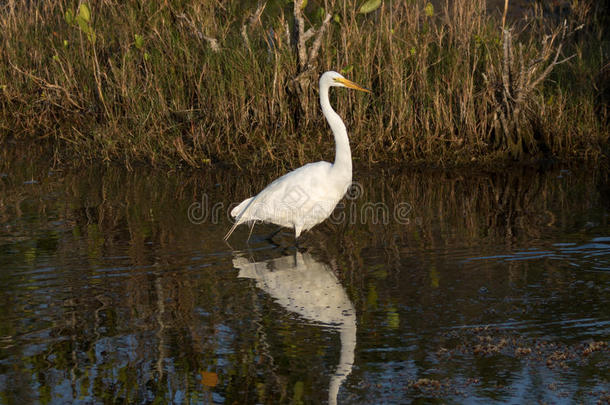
[[344, 368], [308, 287]]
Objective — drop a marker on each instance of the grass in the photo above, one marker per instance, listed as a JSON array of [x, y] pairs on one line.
[[199, 82]]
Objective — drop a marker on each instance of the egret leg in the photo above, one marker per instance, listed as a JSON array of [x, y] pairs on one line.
[[272, 234], [250, 234], [296, 237]]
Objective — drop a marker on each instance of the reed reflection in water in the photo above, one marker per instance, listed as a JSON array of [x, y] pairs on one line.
[[495, 287]]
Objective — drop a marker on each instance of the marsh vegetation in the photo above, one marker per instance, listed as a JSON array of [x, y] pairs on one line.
[[198, 82]]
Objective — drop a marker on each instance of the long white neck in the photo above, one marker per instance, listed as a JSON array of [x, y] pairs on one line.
[[343, 154]]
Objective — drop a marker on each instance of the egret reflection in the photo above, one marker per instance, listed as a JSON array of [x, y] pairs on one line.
[[303, 285]]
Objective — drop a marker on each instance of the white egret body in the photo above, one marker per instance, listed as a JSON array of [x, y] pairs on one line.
[[308, 195]]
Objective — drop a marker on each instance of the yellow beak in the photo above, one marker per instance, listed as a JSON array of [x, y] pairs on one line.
[[351, 85]]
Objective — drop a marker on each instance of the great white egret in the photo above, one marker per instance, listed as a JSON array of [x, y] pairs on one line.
[[306, 196]]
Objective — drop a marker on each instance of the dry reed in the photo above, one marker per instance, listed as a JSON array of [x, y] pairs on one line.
[[192, 83]]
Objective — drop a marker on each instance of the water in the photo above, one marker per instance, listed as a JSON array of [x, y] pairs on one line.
[[449, 287]]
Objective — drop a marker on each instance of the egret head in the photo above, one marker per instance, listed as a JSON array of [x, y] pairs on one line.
[[332, 78]]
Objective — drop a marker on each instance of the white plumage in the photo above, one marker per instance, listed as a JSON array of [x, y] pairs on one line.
[[306, 196]]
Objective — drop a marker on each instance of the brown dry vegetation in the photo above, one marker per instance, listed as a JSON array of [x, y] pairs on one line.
[[196, 82]]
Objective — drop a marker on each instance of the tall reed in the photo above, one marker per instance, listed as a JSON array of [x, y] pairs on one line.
[[194, 82]]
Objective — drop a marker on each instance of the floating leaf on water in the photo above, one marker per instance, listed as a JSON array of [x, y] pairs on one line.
[[369, 6], [429, 9], [209, 378]]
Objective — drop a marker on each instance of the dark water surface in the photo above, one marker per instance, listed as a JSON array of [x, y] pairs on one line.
[[452, 287]]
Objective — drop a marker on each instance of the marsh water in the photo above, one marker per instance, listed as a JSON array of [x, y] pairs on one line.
[[425, 286]]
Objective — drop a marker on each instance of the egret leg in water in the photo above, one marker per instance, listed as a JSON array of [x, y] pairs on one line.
[[268, 237], [304, 197]]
